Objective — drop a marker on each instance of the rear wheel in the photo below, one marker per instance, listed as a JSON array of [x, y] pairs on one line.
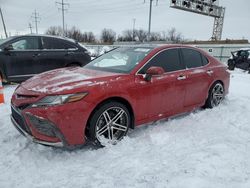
[[109, 123], [215, 96]]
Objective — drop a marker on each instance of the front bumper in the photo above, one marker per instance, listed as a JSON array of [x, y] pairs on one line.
[[59, 126], [21, 125]]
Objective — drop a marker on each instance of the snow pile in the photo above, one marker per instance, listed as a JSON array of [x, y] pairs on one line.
[[105, 49], [207, 148]]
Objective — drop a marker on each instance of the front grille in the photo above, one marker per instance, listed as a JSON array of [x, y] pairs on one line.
[[19, 119], [20, 96]]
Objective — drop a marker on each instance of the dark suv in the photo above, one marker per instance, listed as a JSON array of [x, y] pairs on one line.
[[239, 59], [21, 57]]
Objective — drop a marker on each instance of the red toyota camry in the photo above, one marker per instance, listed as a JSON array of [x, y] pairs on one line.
[[117, 91]]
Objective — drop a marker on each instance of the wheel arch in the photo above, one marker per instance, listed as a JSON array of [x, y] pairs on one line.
[[113, 99], [217, 81], [210, 88], [213, 83]]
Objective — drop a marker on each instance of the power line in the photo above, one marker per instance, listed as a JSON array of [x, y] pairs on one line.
[[36, 18], [62, 4]]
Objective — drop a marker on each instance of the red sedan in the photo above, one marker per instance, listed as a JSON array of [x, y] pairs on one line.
[[119, 90]]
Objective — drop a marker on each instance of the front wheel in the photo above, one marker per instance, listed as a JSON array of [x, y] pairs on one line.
[[215, 96], [109, 123]]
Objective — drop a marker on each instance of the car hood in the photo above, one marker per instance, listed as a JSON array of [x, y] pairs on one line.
[[67, 79]]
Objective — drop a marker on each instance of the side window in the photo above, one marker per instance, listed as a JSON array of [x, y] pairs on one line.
[[192, 58], [30, 43], [55, 44], [204, 60], [69, 46], [169, 60]]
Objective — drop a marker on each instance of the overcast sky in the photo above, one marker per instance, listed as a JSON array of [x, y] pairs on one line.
[[94, 15]]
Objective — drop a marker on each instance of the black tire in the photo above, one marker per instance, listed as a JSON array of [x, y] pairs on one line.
[[103, 127], [215, 95], [231, 65]]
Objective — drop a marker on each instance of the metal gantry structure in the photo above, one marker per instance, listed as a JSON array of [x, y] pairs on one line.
[[204, 7]]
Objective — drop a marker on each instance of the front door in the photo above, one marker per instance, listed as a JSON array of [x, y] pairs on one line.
[[23, 58], [164, 94]]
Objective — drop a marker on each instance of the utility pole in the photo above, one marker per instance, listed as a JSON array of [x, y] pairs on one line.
[[150, 17], [134, 20], [149, 21], [30, 27], [63, 9], [36, 16], [4, 27]]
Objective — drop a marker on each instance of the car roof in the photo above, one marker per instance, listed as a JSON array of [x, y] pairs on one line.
[[41, 35], [157, 46]]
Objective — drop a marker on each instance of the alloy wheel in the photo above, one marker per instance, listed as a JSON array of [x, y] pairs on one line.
[[217, 94], [112, 125]]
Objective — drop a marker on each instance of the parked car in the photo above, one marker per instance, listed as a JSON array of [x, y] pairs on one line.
[[239, 59], [121, 89], [22, 57]]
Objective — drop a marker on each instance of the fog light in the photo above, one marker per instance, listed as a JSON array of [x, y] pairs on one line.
[[42, 125]]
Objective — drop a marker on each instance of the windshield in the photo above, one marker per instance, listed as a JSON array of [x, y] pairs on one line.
[[121, 60], [2, 41]]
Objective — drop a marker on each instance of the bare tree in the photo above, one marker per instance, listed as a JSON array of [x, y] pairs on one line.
[[155, 36], [141, 35], [108, 36], [174, 36], [128, 35], [90, 37], [54, 30], [75, 33]]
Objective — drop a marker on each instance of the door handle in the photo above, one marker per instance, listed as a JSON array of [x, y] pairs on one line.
[[210, 72], [36, 55], [182, 77], [69, 53]]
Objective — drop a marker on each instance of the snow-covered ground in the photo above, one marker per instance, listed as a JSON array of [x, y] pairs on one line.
[[204, 149]]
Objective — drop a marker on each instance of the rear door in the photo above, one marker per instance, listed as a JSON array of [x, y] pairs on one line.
[[55, 54], [23, 58], [199, 77]]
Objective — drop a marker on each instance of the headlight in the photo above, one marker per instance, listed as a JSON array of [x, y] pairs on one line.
[[59, 99]]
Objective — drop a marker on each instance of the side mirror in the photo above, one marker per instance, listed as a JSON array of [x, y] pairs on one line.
[[8, 48], [153, 71]]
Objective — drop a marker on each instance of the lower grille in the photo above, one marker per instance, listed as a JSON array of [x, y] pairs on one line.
[[19, 119]]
